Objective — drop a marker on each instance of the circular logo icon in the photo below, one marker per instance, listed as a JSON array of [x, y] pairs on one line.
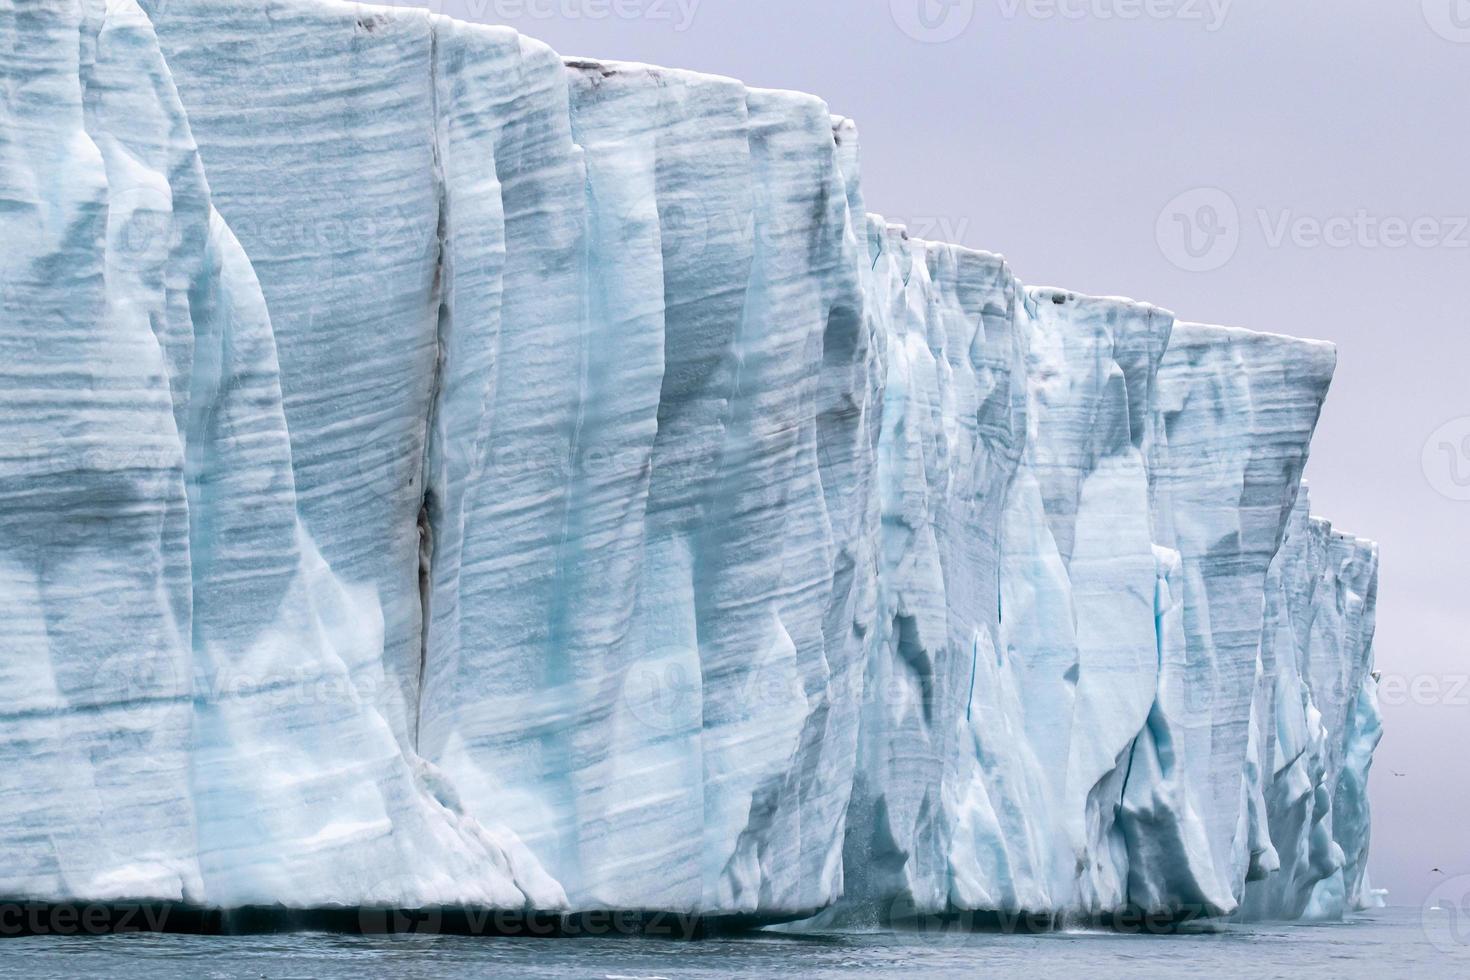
[[390, 461], [1199, 231], [1446, 915], [140, 687], [392, 912], [1198, 696], [680, 219], [1450, 19], [664, 693], [140, 226], [1447, 460], [933, 21]]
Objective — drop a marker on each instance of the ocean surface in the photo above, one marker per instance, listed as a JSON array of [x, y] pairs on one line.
[[1390, 943]]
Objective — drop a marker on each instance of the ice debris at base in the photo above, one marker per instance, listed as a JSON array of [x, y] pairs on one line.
[[435, 473]]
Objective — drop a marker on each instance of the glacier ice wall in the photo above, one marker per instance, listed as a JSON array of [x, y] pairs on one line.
[[445, 474]]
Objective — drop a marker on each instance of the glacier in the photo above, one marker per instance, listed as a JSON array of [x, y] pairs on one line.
[[437, 473]]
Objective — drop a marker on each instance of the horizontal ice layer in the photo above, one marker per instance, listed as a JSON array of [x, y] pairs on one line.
[[560, 493]]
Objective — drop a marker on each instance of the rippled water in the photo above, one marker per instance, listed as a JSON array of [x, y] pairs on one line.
[[1392, 943]]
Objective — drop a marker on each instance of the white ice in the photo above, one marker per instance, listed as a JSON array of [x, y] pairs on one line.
[[437, 473]]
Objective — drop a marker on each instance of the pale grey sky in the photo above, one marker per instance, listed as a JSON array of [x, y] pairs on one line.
[[1329, 138]]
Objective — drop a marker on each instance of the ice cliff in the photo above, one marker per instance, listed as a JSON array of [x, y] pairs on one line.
[[435, 473]]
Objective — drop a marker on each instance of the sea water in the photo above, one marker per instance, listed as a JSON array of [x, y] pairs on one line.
[[1384, 944]]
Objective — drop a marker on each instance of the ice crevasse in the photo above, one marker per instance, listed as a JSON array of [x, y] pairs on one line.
[[438, 473]]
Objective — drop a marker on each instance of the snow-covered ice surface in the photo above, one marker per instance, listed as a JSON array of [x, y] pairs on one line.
[[435, 473]]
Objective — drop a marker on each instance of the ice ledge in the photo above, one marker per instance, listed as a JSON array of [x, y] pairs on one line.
[[580, 502]]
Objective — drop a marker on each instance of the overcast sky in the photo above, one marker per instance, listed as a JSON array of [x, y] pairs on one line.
[[1318, 154]]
